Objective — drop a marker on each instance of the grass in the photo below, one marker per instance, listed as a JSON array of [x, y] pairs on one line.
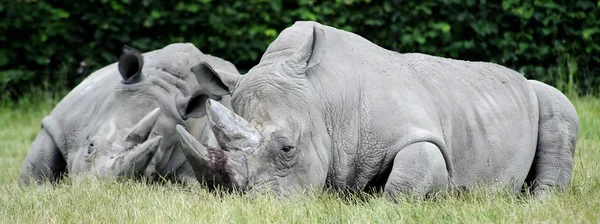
[[81, 200]]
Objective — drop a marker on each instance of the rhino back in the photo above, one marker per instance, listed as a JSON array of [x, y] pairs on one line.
[[487, 114], [70, 115], [482, 116]]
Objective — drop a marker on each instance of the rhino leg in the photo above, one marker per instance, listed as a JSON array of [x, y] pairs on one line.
[[418, 169], [44, 161], [558, 127]]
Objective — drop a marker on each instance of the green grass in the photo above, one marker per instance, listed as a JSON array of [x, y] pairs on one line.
[[80, 200]]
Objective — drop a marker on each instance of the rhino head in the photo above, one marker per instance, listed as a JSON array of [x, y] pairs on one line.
[[276, 136], [131, 129]]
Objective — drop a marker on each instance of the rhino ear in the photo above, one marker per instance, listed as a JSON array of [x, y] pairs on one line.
[[130, 65], [308, 55], [215, 82], [195, 105]]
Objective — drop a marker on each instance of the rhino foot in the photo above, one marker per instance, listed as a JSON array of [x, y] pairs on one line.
[[419, 169]]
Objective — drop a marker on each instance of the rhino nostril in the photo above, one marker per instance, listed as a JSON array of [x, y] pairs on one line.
[[90, 148]]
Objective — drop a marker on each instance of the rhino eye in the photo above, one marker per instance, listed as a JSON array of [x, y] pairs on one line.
[[287, 148]]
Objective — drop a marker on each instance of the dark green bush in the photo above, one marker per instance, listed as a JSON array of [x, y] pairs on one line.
[[44, 41]]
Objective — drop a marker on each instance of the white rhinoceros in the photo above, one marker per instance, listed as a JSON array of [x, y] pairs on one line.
[[120, 121], [327, 108]]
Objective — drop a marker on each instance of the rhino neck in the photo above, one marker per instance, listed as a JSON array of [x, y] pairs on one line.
[[342, 112]]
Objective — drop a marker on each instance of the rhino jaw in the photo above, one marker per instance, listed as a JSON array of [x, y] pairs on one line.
[[231, 130], [216, 167]]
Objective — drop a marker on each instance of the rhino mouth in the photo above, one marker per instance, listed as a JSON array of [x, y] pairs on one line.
[[262, 186]]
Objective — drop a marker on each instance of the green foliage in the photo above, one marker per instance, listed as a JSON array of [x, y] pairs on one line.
[[46, 40]]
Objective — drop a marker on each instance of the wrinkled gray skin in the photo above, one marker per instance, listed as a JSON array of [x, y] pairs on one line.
[[120, 121], [334, 110]]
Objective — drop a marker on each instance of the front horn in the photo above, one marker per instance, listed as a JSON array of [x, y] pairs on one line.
[[215, 167], [231, 130]]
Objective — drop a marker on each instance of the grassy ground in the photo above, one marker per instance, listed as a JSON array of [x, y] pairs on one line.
[[85, 200]]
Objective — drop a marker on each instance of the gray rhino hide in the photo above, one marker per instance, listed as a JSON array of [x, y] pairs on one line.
[[336, 110], [91, 129]]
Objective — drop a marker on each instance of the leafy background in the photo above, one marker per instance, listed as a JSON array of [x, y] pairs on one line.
[[53, 44]]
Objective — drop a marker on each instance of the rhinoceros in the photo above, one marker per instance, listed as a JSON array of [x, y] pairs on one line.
[[120, 121], [327, 108]]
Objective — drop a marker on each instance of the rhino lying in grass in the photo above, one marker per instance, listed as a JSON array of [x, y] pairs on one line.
[[327, 108], [120, 121]]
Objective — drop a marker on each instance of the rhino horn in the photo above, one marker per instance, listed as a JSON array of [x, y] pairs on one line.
[[231, 130], [213, 166], [135, 160], [142, 129], [130, 65]]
